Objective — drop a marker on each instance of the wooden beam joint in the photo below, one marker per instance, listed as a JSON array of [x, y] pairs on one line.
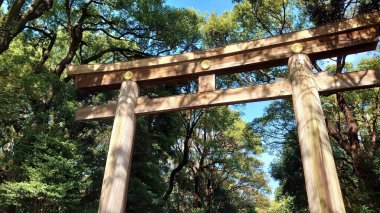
[[206, 83]]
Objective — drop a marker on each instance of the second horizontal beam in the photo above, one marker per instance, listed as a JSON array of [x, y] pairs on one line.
[[278, 90]]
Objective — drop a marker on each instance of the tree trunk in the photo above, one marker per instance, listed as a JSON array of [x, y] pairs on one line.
[[76, 34], [197, 203], [185, 159], [208, 194], [9, 209], [191, 123], [197, 200]]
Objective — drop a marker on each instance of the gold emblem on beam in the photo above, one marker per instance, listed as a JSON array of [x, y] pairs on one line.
[[297, 48], [128, 75], [206, 64]]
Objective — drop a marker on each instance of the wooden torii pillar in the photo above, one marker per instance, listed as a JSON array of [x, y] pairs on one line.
[[322, 183], [116, 175], [341, 38]]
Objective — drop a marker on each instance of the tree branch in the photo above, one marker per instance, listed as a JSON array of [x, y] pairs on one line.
[[37, 9], [76, 35], [316, 66], [334, 133], [43, 32], [113, 49], [254, 8], [185, 157], [14, 23]]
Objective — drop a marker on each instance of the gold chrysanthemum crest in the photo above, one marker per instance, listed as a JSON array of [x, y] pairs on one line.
[[297, 48], [128, 75]]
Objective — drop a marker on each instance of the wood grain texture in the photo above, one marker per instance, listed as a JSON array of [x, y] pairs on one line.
[[116, 176], [261, 57], [325, 84], [363, 21], [322, 183], [206, 83]]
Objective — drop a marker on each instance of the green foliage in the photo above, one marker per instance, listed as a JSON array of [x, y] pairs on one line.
[[251, 20], [369, 63], [361, 189], [50, 163], [41, 161], [154, 137], [220, 30], [283, 205], [322, 12], [359, 180], [223, 168]]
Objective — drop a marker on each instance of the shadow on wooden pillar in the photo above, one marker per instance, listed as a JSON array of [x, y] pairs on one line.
[[322, 184], [116, 176]]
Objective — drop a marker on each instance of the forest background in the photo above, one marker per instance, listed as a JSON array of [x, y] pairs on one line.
[[190, 161]]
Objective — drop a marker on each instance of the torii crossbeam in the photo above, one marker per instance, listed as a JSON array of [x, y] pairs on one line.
[[346, 37]]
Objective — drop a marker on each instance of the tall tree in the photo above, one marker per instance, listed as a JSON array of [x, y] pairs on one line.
[[222, 172]]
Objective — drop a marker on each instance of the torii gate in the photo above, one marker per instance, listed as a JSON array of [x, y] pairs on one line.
[[346, 37]]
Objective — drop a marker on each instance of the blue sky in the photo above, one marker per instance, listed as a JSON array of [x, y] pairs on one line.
[[217, 6]]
